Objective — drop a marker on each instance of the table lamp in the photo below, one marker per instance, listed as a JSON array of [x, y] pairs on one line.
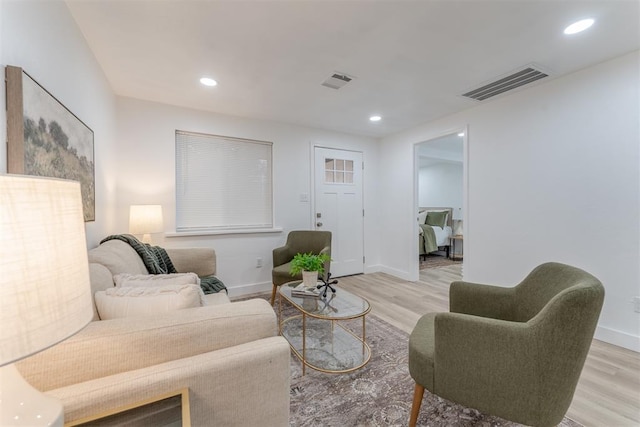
[[45, 296], [457, 227], [144, 220]]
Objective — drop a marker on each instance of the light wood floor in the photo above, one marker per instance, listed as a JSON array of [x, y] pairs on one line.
[[608, 393]]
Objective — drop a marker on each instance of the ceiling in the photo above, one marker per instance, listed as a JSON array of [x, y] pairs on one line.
[[411, 59]]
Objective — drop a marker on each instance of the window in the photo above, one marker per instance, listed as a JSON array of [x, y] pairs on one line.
[[338, 171], [222, 183]]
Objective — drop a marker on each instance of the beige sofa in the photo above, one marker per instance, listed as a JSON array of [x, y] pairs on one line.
[[229, 355]]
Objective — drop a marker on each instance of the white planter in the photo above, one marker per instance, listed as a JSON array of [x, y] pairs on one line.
[[309, 278]]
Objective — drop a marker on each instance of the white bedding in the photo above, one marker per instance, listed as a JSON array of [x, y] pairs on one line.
[[442, 234]]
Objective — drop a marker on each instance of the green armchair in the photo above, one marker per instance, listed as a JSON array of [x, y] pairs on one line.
[[512, 352], [300, 241]]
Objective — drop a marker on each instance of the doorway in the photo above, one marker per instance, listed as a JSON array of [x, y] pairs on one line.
[[440, 184], [338, 202]]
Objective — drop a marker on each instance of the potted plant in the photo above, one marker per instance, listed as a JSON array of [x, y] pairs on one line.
[[310, 265]]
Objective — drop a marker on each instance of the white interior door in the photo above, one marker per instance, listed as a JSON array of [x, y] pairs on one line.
[[339, 207]]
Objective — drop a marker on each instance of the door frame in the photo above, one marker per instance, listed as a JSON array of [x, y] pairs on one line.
[[414, 273], [312, 171]]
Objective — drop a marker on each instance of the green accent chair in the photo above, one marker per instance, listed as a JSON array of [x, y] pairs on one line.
[[299, 241], [516, 353]]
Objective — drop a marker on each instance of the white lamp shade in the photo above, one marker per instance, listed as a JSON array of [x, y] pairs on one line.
[[145, 219], [457, 227], [45, 295]]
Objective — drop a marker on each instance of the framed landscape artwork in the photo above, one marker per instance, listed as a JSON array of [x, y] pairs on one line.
[[44, 138]]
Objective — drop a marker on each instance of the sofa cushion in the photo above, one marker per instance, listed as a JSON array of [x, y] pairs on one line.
[[143, 301], [118, 257], [149, 280]]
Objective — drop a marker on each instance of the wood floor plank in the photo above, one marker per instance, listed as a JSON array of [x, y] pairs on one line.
[[608, 393]]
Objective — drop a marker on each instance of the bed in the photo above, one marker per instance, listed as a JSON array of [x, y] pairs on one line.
[[434, 230]]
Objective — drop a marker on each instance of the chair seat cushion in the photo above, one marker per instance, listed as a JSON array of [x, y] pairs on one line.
[[282, 274], [421, 351]]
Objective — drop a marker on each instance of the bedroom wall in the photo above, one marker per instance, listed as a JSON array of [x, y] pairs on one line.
[[43, 39], [441, 185], [553, 174], [146, 175]]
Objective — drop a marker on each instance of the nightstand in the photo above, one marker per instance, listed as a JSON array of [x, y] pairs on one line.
[[453, 240]]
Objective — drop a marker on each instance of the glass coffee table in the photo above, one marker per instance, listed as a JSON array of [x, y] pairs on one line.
[[317, 332]]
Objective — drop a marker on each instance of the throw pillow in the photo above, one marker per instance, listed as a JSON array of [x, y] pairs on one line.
[[139, 301], [148, 280], [422, 216], [437, 218]]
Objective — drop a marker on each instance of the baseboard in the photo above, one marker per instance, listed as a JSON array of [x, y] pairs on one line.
[[368, 269], [254, 288], [619, 338], [403, 275]]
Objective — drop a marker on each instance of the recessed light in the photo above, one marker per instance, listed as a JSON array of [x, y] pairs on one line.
[[576, 27], [375, 118], [208, 81], [461, 134]]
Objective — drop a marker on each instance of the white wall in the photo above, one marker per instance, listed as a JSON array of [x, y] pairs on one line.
[[440, 184], [146, 175], [43, 39], [553, 174]]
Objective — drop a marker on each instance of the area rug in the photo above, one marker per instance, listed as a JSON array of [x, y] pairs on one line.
[[436, 261], [379, 394]]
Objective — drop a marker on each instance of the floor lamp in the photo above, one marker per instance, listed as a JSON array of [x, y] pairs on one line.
[[45, 296]]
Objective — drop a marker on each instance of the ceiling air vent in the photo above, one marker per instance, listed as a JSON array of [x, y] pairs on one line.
[[507, 83], [337, 80]]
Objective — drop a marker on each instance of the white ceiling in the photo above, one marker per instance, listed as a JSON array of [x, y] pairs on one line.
[[411, 59]]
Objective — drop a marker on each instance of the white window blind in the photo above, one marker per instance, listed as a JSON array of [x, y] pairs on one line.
[[222, 183]]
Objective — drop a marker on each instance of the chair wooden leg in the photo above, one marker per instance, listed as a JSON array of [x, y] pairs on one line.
[[273, 294], [415, 407]]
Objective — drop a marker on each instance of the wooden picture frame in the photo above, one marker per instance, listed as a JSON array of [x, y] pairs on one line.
[[44, 138], [166, 410]]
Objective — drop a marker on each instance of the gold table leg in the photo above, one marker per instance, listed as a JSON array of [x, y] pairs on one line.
[[304, 343]]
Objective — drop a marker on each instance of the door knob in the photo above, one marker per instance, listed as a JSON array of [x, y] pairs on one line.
[[318, 224]]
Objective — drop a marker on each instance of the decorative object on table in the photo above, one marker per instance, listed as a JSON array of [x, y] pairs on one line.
[[44, 138], [310, 265], [145, 220], [326, 284], [302, 290], [42, 303]]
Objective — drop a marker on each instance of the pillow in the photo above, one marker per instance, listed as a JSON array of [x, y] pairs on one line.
[[140, 301], [148, 280], [422, 217], [437, 218]]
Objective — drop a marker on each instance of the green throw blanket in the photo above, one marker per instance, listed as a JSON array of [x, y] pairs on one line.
[[428, 238], [157, 261]]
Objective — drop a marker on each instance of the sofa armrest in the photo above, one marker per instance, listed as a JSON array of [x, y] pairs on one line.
[[482, 300], [244, 385], [201, 261], [113, 346]]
